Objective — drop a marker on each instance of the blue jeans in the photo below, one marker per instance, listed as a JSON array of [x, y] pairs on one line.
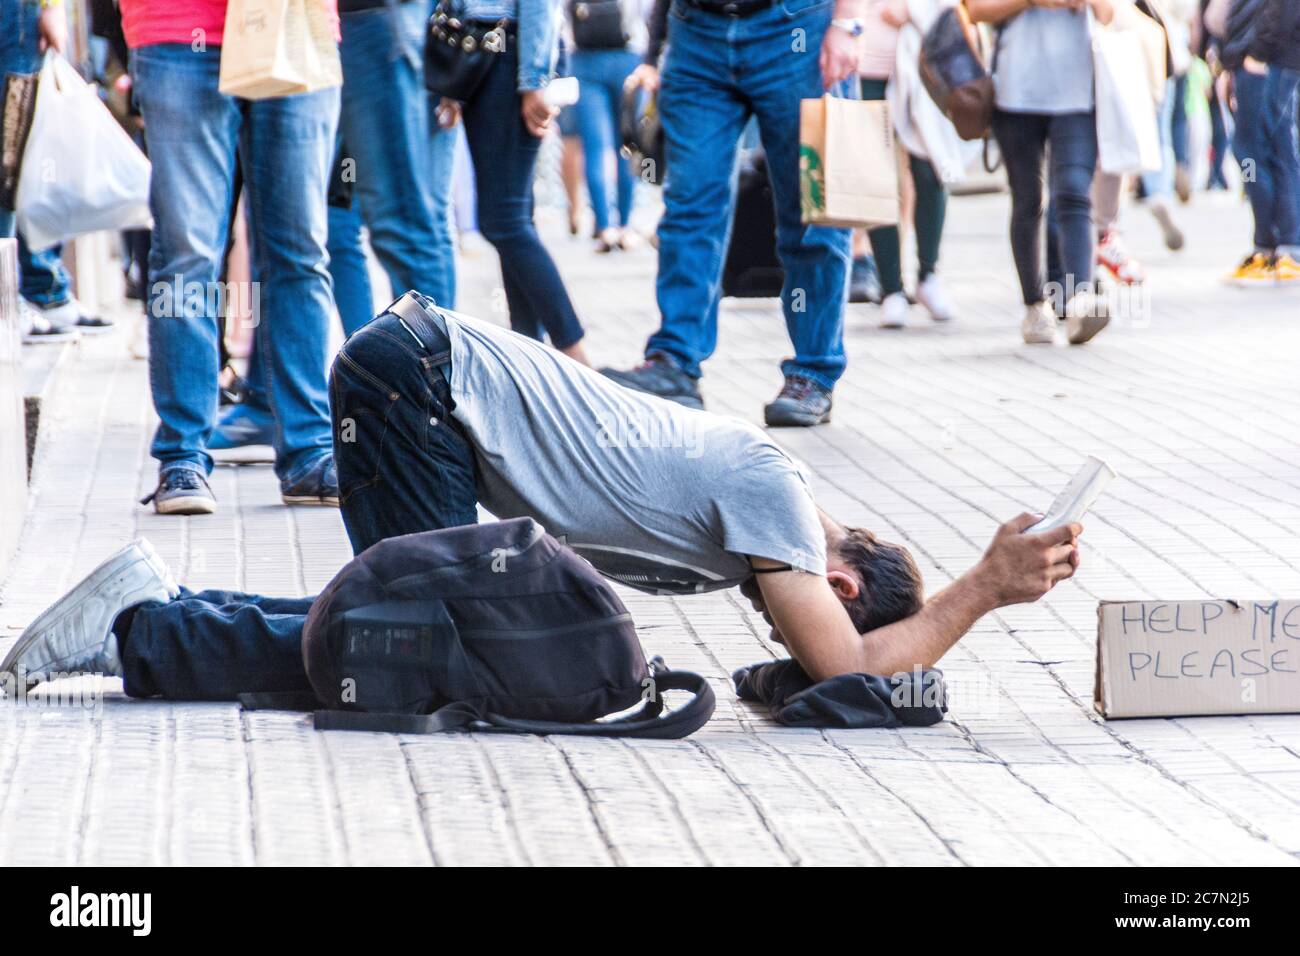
[[1159, 184], [600, 76], [42, 278], [403, 158], [1266, 139], [1023, 140], [404, 466], [351, 274], [213, 645], [285, 147], [403, 163], [505, 155], [719, 71]]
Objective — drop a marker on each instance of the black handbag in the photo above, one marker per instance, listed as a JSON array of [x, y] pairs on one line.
[[458, 55], [642, 134], [597, 24]]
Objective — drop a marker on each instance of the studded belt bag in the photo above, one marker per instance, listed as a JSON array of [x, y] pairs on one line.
[[459, 53]]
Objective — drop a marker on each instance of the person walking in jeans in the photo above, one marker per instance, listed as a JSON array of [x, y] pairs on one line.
[[728, 61], [50, 312], [505, 120], [1263, 53], [602, 59], [1044, 99], [397, 160], [285, 147]]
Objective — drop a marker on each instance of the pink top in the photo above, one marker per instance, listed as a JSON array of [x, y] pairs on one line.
[[880, 39], [146, 22]]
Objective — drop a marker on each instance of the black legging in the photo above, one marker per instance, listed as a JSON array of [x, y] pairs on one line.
[[1023, 139]]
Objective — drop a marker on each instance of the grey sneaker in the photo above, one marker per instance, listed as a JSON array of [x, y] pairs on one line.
[[317, 484], [1086, 315], [75, 636], [801, 402], [660, 375], [181, 491]]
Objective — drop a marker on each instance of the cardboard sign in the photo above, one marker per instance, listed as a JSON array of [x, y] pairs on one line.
[[1182, 658]]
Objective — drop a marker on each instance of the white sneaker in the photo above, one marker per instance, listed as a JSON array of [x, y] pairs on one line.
[[934, 299], [1039, 325], [1085, 315], [37, 329], [893, 311], [75, 636]]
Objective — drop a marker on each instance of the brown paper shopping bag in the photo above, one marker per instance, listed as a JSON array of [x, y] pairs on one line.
[[277, 48], [848, 171]]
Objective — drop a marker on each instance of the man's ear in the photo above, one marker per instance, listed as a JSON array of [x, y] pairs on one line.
[[844, 584]]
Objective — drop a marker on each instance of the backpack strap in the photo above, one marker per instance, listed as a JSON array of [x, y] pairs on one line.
[[680, 723], [279, 700], [462, 715]]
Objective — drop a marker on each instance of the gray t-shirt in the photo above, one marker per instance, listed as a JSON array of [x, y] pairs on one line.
[[1044, 62], [664, 498]]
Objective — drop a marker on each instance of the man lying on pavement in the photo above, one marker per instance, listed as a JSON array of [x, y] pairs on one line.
[[435, 412]]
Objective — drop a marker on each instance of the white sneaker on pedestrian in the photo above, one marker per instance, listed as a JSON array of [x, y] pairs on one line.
[[934, 298], [37, 329], [1039, 325], [893, 311], [75, 636], [1085, 315]]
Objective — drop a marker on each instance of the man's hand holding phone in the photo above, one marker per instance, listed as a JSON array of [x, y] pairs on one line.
[[1019, 568]]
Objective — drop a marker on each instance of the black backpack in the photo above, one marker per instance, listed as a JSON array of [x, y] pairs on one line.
[[492, 626], [953, 72], [597, 24]]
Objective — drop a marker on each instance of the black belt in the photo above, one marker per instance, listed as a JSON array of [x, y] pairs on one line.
[[733, 8], [359, 6], [425, 323]]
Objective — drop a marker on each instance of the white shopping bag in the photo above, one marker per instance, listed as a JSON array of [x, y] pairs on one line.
[[1128, 139], [80, 171]]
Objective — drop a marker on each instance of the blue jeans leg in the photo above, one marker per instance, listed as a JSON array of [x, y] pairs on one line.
[[43, 279], [193, 137], [214, 645], [505, 156], [352, 293], [1159, 184], [600, 75], [286, 151], [718, 71], [1283, 150], [1250, 147], [405, 465], [703, 114], [816, 258], [403, 159]]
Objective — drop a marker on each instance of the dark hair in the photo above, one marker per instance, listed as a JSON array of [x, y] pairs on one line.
[[890, 588]]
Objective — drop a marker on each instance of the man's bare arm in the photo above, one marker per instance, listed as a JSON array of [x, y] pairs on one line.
[[816, 628]]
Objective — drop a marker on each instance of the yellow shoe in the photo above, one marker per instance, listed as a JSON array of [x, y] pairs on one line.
[[1286, 269], [1255, 269]]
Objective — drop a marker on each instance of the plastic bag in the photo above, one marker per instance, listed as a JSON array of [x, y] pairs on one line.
[[80, 171], [1128, 137]]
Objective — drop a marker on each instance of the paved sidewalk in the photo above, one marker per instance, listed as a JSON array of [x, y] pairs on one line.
[[939, 433]]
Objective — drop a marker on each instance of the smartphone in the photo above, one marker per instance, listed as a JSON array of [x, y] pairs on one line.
[[1078, 496]]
